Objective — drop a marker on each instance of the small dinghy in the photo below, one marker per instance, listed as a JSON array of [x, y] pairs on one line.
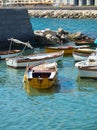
[[41, 76]]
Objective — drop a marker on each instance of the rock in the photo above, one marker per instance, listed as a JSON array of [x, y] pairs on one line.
[[63, 13], [48, 37], [61, 31], [55, 39], [39, 33], [48, 31], [75, 35]]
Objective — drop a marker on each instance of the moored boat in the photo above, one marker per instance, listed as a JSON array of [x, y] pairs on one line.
[[82, 54], [88, 68], [41, 76], [85, 42], [12, 53], [23, 61], [5, 54], [67, 49]]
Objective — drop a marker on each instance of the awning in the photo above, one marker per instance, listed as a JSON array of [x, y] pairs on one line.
[[20, 42]]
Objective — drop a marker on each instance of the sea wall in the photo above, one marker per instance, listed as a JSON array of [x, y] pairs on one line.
[[63, 13], [14, 23]]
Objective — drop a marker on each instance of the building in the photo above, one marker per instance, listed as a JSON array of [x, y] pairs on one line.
[[25, 2], [47, 2], [76, 2]]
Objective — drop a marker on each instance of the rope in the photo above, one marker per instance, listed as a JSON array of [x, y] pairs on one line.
[[10, 47]]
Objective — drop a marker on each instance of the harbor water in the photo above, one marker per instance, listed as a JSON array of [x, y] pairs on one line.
[[71, 104]]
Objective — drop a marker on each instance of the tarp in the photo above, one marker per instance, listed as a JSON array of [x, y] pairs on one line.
[[20, 42], [95, 42]]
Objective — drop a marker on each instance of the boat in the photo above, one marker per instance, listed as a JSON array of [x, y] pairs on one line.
[[80, 54], [5, 54], [85, 42], [41, 92], [88, 68], [23, 61], [68, 50], [41, 76], [12, 53]]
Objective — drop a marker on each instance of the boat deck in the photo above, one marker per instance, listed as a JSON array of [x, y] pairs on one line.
[[89, 68]]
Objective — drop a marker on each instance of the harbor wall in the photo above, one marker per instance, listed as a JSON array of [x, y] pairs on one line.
[[63, 13], [14, 23]]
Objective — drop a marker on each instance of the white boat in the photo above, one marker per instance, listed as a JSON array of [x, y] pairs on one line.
[[88, 68], [11, 53], [23, 61], [82, 54], [5, 54]]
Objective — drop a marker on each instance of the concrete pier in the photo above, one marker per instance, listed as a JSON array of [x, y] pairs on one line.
[[14, 23]]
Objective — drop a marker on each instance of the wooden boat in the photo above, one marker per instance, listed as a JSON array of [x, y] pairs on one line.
[[82, 54], [68, 50], [11, 53], [23, 61], [41, 76], [85, 42], [88, 68]]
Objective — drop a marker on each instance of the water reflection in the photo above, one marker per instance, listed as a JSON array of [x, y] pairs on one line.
[[11, 77], [39, 92], [87, 85]]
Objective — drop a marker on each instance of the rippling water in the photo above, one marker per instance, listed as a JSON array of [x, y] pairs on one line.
[[71, 104]]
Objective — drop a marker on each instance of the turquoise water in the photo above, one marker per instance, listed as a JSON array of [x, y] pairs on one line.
[[71, 104]]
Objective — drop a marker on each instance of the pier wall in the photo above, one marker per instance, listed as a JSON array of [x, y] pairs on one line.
[[14, 23], [70, 13]]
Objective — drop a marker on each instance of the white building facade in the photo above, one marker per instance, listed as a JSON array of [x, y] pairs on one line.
[[76, 2], [53, 2], [25, 2]]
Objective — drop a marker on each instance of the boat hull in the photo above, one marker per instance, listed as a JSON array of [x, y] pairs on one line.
[[87, 69], [89, 42], [67, 51], [15, 64], [39, 83], [87, 73], [9, 55], [80, 56], [41, 76]]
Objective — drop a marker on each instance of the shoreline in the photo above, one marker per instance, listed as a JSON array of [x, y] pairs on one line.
[[77, 14]]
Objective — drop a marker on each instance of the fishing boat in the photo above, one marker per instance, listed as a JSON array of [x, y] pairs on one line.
[[41, 76], [68, 50], [12, 53], [23, 61], [80, 54], [5, 54], [88, 41], [88, 68]]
